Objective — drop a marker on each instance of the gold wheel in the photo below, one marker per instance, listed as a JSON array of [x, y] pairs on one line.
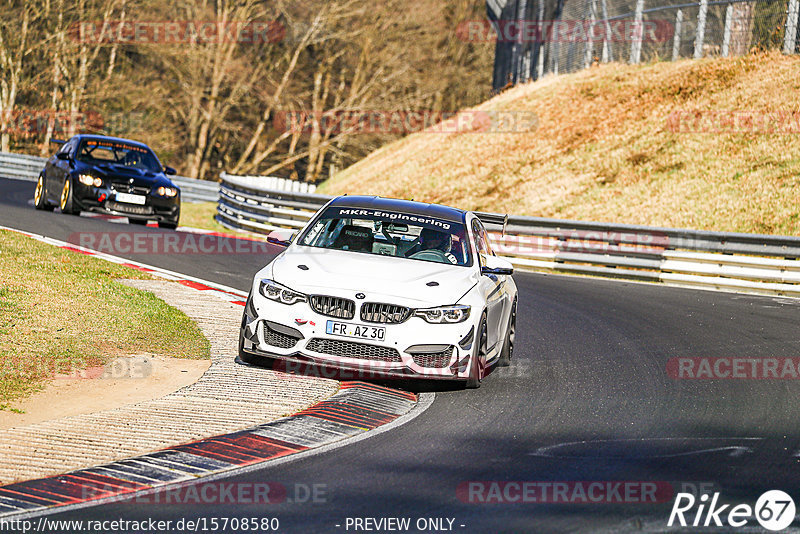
[[37, 196], [64, 195]]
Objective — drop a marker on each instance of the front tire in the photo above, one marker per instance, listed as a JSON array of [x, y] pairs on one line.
[[139, 222], [478, 360], [244, 356], [508, 344], [40, 197], [66, 203], [168, 225]]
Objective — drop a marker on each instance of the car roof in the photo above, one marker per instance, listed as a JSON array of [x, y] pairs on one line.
[[437, 211], [111, 138]]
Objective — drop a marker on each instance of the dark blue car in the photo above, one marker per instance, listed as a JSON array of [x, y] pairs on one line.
[[109, 175]]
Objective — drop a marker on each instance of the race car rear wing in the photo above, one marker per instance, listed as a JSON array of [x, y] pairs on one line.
[[496, 219]]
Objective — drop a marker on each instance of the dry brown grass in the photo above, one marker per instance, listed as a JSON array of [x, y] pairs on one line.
[[62, 312], [604, 151]]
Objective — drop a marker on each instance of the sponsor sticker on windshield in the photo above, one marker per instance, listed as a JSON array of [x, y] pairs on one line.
[[382, 215]]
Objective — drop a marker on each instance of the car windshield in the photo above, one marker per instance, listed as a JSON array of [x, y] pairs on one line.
[[98, 151], [387, 233]]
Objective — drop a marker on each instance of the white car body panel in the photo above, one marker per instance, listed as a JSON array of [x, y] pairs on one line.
[[363, 277]]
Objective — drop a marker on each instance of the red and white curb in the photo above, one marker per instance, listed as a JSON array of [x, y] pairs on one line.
[[355, 410], [116, 219], [358, 411], [226, 293]]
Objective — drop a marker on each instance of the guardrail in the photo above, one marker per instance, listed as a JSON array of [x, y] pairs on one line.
[[720, 260], [24, 167], [247, 203]]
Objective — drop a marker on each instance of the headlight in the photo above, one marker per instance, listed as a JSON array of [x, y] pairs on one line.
[[88, 179], [444, 314], [279, 293], [167, 191]]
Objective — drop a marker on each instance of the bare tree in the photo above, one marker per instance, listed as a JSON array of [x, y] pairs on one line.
[[212, 79], [14, 48], [75, 56]]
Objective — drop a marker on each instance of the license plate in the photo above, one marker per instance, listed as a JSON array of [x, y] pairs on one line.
[[376, 333], [131, 199]]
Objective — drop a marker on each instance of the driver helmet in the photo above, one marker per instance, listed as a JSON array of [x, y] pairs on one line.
[[132, 158], [430, 239]]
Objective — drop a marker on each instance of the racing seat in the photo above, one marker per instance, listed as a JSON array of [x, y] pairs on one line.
[[356, 238]]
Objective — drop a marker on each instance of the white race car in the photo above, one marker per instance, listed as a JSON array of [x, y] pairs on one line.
[[387, 287]]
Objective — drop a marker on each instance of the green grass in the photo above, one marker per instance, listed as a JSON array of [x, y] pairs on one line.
[[61, 311], [201, 215]]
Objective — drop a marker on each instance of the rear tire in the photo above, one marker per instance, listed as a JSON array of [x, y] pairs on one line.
[[508, 344], [478, 360], [66, 204], [40, 197]]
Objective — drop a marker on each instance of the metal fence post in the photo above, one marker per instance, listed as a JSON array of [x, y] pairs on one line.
[[608, 54], [701, 29], [541, 38], [587, 59], [555, 46], [636, 42], [726, 35], [519, 46], [676, 41], [790, 39]]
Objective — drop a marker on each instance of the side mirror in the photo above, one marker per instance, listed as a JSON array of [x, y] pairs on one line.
[[63, 156], [170, 171], [57, 141], [281, 238], [496, 266]]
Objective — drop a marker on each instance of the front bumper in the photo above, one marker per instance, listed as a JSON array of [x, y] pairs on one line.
[[103, 200], [412, 349]]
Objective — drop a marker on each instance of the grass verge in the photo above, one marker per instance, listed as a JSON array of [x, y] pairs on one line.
[[61, 312], [201, 215]]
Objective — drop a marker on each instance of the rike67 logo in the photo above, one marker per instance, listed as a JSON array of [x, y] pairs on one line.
[[774, 510]]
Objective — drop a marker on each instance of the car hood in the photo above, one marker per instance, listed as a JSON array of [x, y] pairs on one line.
[[380, 278], [123, 172]]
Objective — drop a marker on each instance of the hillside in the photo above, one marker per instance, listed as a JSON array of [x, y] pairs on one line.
[[619, 143]]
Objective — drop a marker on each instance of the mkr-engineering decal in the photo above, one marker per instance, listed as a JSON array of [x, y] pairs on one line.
[[387, 215]]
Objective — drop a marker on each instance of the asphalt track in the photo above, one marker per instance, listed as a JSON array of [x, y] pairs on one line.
[[587, 398]]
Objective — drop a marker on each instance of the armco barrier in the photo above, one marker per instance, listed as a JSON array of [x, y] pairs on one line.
[[720, 260], [730, 261], [247, 203]]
